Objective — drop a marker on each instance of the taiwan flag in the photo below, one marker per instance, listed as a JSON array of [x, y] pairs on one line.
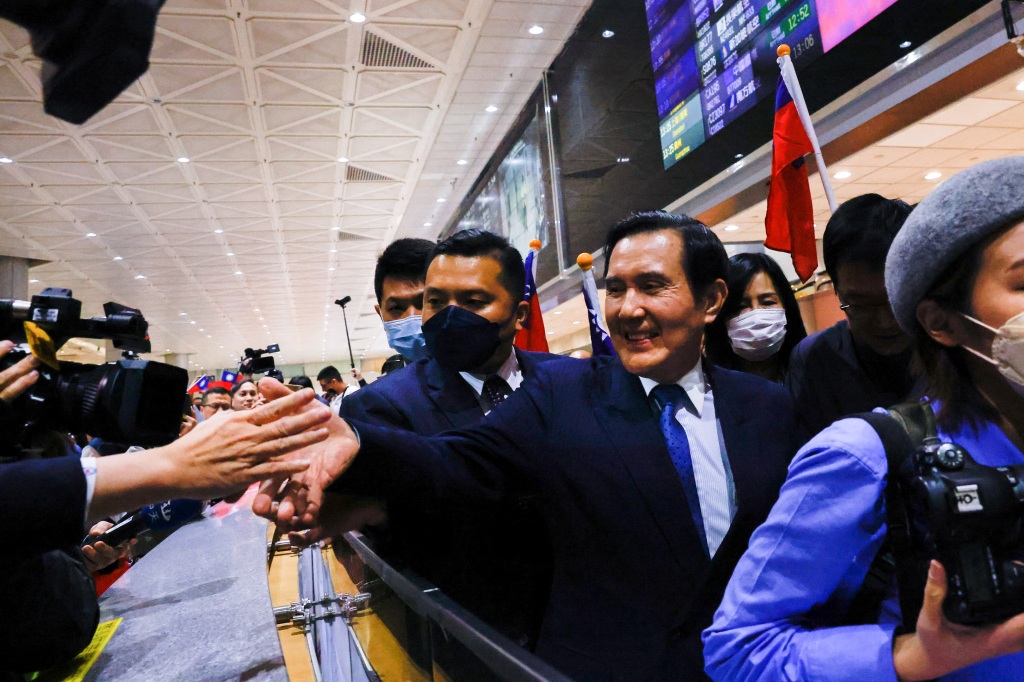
[[532, 335], [789, 220], [200, 385]]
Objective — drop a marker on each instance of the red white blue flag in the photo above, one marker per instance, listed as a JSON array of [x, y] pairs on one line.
[[200, 385], [600, 341], [532, 336]]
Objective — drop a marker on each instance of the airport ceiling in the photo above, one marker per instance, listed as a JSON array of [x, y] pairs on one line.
[[273, 149]]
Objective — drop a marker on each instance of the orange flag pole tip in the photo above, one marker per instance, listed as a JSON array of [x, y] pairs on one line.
[[535, 244], [585, 261], [783, 50]]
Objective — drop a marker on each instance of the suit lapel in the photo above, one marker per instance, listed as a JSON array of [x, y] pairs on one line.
[[452, 395], [740, 433], [625, 414]]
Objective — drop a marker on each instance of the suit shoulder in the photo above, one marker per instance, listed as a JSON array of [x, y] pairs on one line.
[[752, 386], [829, 337]]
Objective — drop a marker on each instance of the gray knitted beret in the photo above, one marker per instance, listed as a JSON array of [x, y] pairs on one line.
[[959, 213]]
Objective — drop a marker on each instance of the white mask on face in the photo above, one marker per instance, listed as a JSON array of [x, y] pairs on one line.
[[1007, 349], [756, 335]]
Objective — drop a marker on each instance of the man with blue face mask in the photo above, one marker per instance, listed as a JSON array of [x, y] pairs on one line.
[[491, 558]]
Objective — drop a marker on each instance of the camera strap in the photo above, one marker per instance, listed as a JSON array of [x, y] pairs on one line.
[[901, 431]]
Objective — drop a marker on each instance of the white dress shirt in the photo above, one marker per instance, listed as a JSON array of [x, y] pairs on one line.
[[510, 371], [337, 400], [715, 488]]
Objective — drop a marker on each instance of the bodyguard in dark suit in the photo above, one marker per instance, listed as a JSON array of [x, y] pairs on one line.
[[492, 558], [651, 469]]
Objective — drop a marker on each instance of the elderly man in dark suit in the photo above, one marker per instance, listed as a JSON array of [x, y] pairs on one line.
[[651, 469], [493, 558]]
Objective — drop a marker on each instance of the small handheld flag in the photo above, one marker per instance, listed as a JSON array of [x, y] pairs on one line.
[[600, 341], [200, 385], [789, 220], [228, 376], [532, 335]]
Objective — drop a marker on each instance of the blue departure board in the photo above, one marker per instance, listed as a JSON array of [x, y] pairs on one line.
[[715, 59]]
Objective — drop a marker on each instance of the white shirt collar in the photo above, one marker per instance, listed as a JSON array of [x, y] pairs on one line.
[[693, 382], [508, 370]]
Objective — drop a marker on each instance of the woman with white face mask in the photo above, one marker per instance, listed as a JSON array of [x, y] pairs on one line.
[[955, 279], [760, 322]]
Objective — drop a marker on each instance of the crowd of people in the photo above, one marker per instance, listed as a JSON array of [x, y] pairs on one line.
[[703, 503]]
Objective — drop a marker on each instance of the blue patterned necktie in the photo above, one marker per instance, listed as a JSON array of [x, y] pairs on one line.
[[669, 397], [496, 390]]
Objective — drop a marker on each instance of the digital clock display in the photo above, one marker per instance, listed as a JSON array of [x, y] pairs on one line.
[[715, 59]]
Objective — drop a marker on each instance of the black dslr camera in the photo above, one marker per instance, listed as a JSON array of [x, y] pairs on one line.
[[258, 361], [132, 401], [968, 516]]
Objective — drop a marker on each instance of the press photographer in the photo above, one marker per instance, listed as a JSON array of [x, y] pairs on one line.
[[953, 606], [48, 495]]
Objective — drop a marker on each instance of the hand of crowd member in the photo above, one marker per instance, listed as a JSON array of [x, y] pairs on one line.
[[222, 455], [340, 514], [939, 647], [260, 400], [100, 555], [356, 375], [187, 424], [296, 503], [18, 378]]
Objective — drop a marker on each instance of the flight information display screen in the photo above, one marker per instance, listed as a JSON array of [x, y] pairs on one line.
[[715, 59]]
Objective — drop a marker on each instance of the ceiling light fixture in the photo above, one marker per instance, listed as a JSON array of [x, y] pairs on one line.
[[4, 159], [342, 159], [427, 224], [607, 33], [140, 277], [33, 281], [575, 321], [90, 234], [842, 175], [461, 162], [440, 200], [357, 18], [230, 253], [218, 231], [118, 258], [731, 228], [238, 272], [182, 159], [535, 30], [905, 44], [1020, 87], [491, 109], [934, 175], [558, 312], [738, 156]]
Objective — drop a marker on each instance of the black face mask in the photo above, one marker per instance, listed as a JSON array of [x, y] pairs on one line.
[[461, 340]]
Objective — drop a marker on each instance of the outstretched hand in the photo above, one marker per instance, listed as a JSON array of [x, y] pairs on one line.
[[939, 647], [295, 502], [18, 378]]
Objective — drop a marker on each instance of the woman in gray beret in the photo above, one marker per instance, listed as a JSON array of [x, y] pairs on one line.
[[955, 277]]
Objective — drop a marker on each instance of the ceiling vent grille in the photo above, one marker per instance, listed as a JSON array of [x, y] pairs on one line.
[[344, 236], [382, 53], [357, 174]]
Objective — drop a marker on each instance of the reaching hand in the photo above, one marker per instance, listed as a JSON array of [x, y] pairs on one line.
[[187, 424], [940, 647], [297, 501], [16, 379], [338, 515]]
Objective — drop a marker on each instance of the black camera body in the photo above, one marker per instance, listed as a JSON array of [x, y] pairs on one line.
[[130, 400], [258, 361], [969, 517]]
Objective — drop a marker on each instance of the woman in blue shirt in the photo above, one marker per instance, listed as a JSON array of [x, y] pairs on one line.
[[955, 277]]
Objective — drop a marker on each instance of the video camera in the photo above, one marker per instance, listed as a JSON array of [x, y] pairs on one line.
[[258, 361], [130, 400], [968, 516]]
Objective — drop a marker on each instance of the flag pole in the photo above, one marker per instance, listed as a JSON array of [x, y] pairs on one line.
[[793, 85]]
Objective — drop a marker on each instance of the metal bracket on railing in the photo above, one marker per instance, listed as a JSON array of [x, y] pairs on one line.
[[282, 547], [341, 605]]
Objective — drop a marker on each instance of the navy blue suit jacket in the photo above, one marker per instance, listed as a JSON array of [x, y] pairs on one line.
[[492, 558], [42, 503], [632, 587]]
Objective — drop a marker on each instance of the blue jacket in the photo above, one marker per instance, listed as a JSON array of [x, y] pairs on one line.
[[632, 587], [492, 558], [42, 504]]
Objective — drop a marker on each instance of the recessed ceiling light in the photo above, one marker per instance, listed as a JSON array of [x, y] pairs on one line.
[[427, 224], [4, 159], [342, 159], [731, 228], [461, 162], [334, 251], [335, 229], [230, 253], [842, 175], [33, 281], [551, 333], [491, 109], [201, 329], [191, 321], [90, 234], [440, 200], [255, 310], [238, 272], [118, 258], [575, 321], [182, 159], [167, 350], [183, 314], [607, 33], [558, 312], [357, 18], [535, 30], [218, 231], [934, 175], [330, 269], [738, 156], [1020, 86], [140, 277], [905, 44]]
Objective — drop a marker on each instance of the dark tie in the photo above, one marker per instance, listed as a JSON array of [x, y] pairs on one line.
[[669, 397], [496, 390]]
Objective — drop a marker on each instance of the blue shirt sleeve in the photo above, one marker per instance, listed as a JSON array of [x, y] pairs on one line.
[[781, 615]]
